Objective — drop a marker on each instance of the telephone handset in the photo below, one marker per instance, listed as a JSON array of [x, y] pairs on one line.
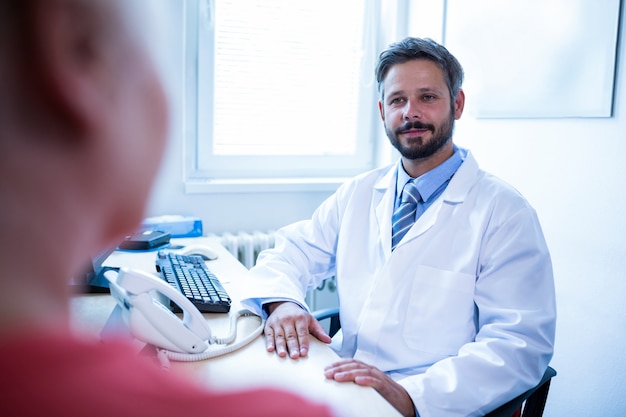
[[142, 298]]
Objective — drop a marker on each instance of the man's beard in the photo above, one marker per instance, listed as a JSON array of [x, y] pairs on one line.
[[417, 149]]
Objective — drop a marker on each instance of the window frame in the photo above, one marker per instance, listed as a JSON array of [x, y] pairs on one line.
[[197, 180]]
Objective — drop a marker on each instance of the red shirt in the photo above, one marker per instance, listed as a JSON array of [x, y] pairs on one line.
[[59, 375]]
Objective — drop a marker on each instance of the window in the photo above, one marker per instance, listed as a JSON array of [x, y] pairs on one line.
[[280, 91]]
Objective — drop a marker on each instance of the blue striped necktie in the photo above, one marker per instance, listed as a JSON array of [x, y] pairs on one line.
[[404, 217]]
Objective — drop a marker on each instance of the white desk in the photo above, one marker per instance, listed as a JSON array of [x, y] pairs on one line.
[[251, 366]]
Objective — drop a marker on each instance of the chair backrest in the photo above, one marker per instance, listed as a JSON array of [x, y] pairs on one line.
[[529, 404], [331, 314]]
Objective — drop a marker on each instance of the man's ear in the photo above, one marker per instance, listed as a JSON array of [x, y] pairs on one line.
[[68, 52], [459, 104]]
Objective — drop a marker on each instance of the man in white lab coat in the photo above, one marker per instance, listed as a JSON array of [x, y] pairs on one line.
[[456, 319]]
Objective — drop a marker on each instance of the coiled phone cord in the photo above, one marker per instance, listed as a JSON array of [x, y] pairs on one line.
[[165, 356]]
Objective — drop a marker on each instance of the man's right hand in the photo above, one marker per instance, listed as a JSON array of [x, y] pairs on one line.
[[288, 328]]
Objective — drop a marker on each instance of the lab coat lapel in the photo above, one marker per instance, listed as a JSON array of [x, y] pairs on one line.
[[457, 190], [383, 200]]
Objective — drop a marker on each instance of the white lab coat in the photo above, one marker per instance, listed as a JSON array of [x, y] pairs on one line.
[[462, 313]]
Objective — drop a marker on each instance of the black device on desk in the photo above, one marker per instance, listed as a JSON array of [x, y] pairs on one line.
[[145, 240], [190, 275], [92, 280]]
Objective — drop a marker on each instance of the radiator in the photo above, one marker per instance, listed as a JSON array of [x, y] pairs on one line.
[[246, 246]]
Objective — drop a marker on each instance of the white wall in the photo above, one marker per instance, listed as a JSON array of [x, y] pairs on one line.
[[571, 170]]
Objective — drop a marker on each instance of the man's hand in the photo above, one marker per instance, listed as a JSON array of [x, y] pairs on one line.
[[287, 330], [351, 370]]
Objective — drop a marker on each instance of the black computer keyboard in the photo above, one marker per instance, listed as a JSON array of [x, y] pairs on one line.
[[191, 276]]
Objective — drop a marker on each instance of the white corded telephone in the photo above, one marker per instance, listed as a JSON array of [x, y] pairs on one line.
[[142, 296]]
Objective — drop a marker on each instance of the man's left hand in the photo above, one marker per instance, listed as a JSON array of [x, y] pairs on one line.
[[352, 370]]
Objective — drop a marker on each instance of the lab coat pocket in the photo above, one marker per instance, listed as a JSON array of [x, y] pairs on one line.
[[440, 311]]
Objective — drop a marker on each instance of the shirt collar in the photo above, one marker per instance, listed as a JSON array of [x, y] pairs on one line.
[[432, 180]]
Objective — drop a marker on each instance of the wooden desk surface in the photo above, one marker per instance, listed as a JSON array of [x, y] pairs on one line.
[[251, 366]]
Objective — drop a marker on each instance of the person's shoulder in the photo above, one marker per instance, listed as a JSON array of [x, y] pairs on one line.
[[40, 370], [372, 177], [499, 188], [487, 183]]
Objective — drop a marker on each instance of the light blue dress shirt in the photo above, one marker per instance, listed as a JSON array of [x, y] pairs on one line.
[[431, 184]]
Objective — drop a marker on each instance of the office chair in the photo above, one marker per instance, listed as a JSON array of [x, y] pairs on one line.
[[529, 404], [332, 315]]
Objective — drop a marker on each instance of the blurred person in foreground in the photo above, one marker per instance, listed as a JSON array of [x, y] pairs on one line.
[[83, 122]]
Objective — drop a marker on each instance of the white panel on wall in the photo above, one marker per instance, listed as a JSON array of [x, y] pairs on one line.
[[536, 58]]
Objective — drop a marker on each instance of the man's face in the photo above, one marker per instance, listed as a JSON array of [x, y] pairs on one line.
[[417, 111]]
